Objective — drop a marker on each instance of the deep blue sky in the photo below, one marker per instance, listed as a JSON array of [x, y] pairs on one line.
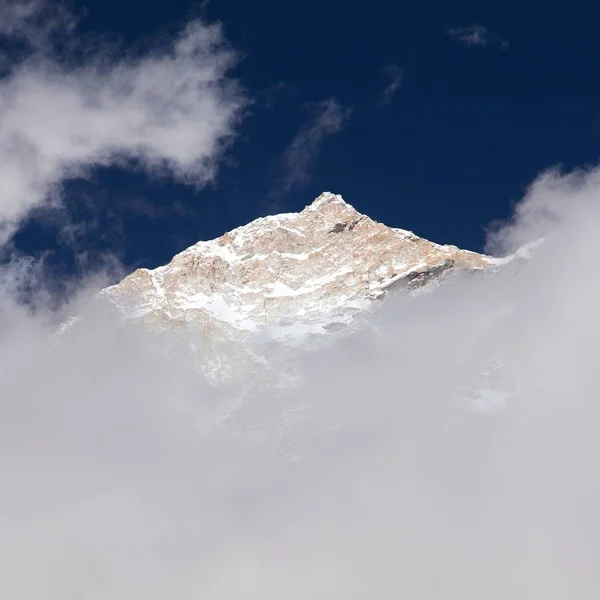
[[464, 134]]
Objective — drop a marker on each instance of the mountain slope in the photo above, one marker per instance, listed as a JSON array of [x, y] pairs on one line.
[[289, 277], [302, 267]]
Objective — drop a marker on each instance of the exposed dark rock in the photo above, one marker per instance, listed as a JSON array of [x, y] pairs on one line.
[[354, 224], [339, 227], [417, 280]]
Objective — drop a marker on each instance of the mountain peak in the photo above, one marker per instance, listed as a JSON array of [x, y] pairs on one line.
[[287, 276], [326, 199], [328, 202]]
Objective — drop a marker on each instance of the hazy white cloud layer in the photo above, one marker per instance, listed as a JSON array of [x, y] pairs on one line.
[[450, 450], [171, 111]]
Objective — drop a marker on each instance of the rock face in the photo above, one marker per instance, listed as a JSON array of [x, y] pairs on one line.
[[287, 277]]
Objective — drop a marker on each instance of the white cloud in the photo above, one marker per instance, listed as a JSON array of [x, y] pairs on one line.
[[371, 480], [34, 21], [328, 117], [171, 111], [554, 197], [476, 35], [395, 75], [271, 95]]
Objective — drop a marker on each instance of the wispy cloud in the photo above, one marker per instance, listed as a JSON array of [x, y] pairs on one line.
[[271, 95], [35, 22], [172, 111], [328, 117], [143, 207], [477, 36], [394, 76]]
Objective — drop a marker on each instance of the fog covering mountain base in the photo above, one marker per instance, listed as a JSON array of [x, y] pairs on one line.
[[294, 278], [368, 479]]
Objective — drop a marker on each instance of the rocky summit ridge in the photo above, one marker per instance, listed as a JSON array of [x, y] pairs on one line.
[[286, 277]]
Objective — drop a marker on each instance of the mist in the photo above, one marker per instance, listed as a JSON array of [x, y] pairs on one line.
[[386, 472]]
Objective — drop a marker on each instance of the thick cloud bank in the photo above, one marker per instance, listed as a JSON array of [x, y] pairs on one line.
[[448, 451]]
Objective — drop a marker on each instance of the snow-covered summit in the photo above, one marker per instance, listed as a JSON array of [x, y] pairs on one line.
[[327, 200], [294, 266], [285, 276]]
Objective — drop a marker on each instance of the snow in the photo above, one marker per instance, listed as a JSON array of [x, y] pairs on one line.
[[295, 332], [310, 278], [523, 252], [219, 308], [299, 256], [392, 280], [64, 327], [279, 289], [213, 248], [405, 233]]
